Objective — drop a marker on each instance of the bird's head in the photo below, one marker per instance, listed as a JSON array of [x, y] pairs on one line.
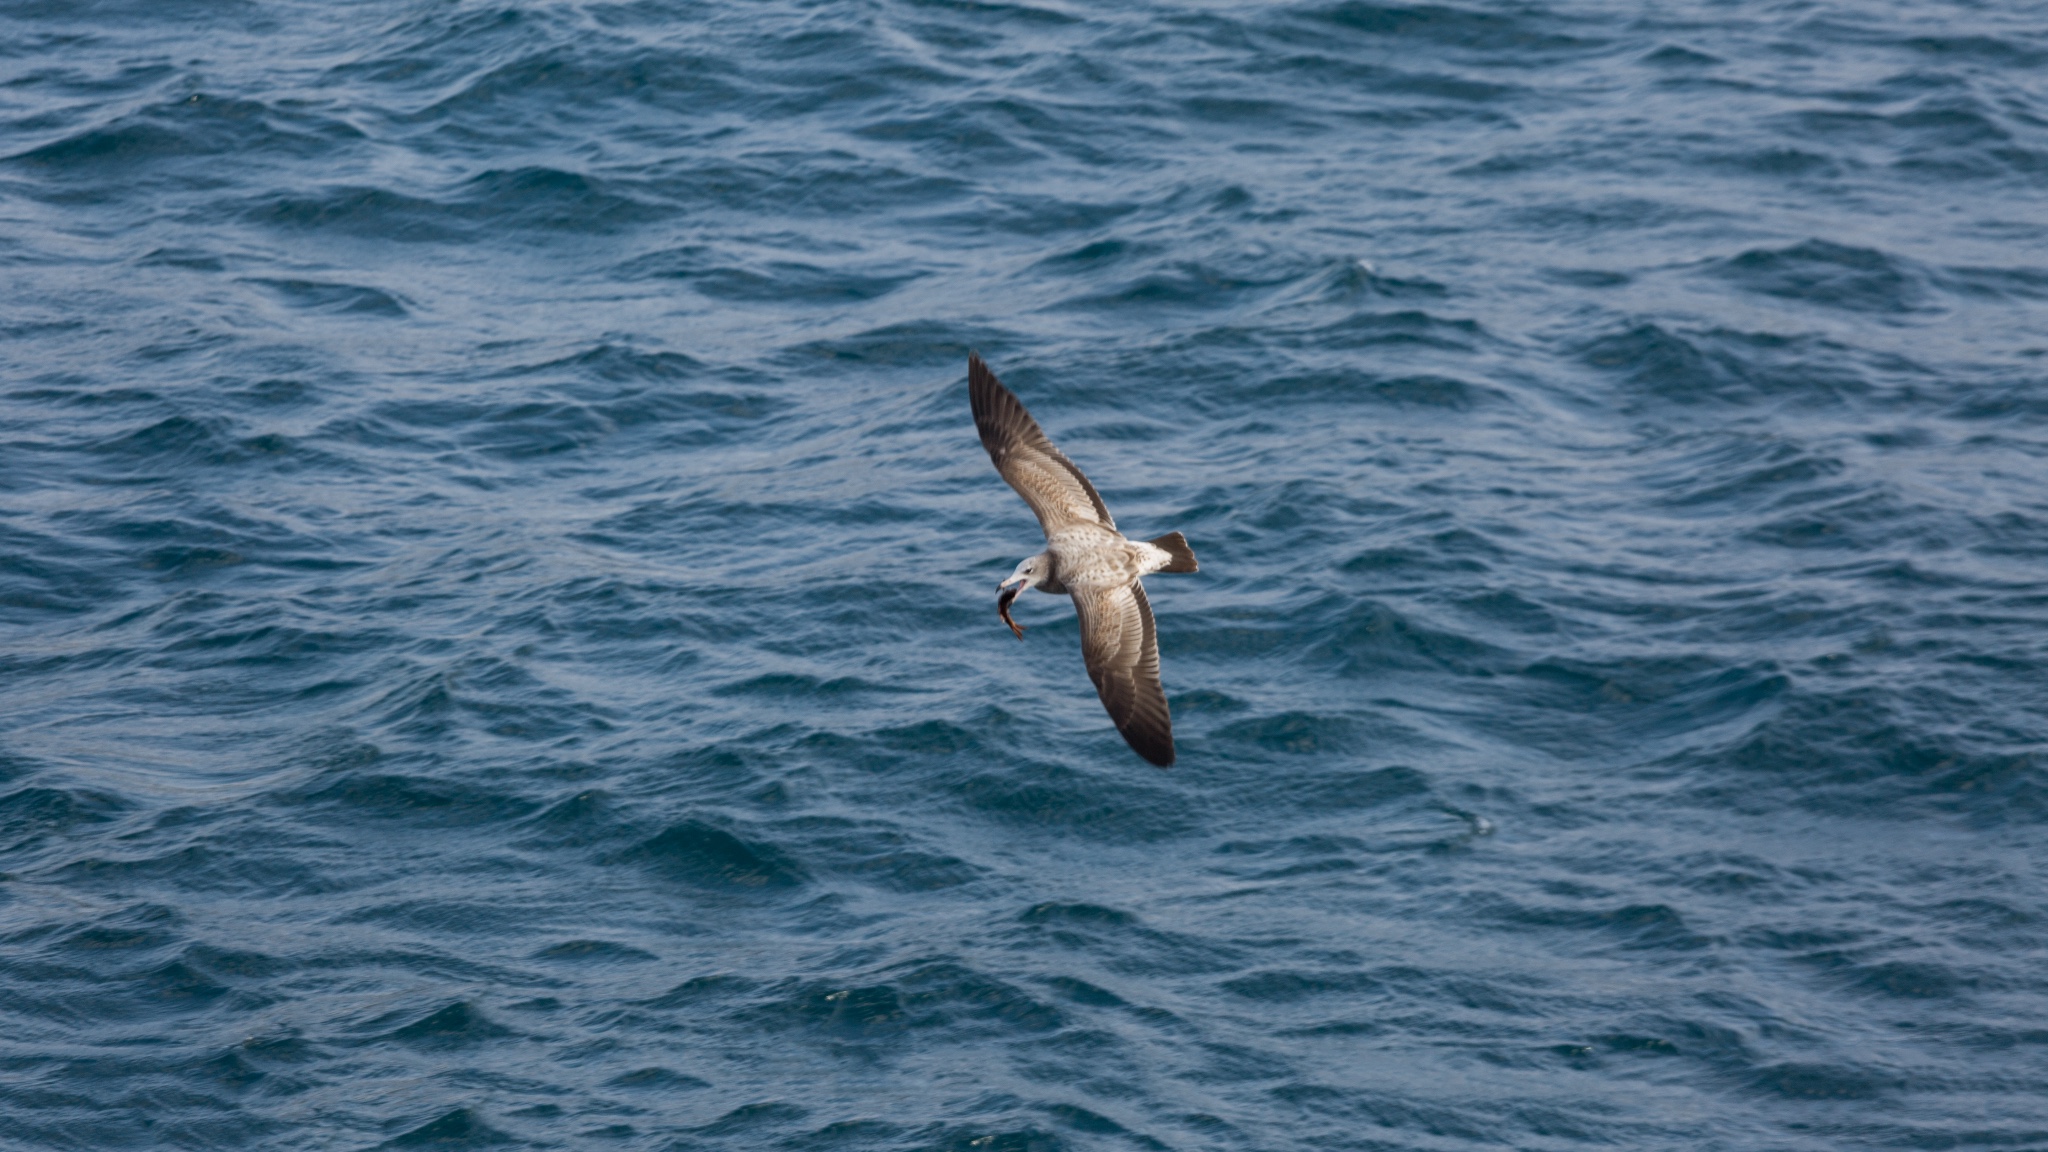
[[1030, 573]]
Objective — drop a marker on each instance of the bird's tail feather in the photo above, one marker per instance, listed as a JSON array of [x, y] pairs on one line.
[[1175, 545]]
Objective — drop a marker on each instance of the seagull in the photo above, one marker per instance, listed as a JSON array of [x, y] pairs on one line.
[[1086, 558]]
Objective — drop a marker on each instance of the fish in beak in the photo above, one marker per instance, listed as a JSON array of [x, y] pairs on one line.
[[1006, 595]]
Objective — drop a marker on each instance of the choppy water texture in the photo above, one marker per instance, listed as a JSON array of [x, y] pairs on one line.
[[498, 575]]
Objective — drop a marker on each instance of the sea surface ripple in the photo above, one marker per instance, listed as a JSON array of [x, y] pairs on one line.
[[497, 575]]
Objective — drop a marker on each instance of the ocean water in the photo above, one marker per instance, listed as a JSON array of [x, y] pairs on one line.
[[497, 626]]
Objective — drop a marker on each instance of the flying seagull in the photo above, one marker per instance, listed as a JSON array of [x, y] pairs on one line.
[[1086, 558]]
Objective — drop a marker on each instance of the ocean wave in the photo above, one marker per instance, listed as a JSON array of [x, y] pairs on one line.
[[499, 575]]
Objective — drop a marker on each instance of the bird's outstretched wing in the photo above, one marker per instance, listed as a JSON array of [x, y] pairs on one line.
[[1056, 490], [1121, 646]]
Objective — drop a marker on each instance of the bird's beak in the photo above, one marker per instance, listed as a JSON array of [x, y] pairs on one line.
[[1005, 585]]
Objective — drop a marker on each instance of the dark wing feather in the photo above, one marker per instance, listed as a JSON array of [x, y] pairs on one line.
[[1056, 490], [1121, 646]]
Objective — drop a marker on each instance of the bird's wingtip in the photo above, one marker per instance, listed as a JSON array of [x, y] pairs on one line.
[[1151, 747]]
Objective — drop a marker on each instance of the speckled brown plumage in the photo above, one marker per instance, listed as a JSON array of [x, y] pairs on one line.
[[1087, 558]]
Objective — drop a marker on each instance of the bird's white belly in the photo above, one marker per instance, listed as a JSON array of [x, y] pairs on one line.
[[1093, 556]]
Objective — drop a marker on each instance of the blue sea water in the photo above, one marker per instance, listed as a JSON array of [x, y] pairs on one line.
[[497, 626]]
